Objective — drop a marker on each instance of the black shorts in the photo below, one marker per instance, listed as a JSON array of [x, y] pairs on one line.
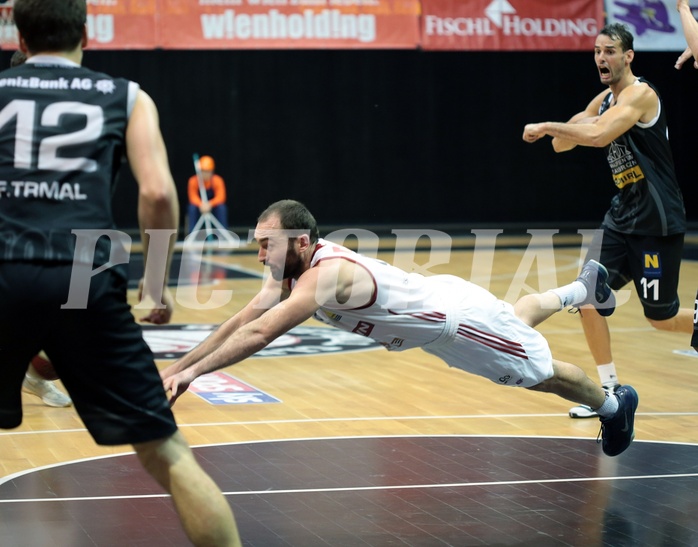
[[694, 339], [98, 352], [651, 262]]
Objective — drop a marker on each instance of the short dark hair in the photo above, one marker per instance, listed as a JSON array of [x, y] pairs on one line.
[[293, 215], [50, 25], [618, 31]]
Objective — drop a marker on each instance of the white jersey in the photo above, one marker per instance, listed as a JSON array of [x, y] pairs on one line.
[[407, 309], [465, 325]]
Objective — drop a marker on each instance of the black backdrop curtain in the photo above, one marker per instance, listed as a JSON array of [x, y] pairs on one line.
[[392, 137]]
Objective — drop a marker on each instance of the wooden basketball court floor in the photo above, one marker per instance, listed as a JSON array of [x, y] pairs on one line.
[[371, 448]]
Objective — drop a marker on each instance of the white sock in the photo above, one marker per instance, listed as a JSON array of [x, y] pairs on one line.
[[571, 294], [607, 375], [609, 406]]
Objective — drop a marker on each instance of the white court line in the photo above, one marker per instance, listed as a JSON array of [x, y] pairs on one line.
[[458, 484], [18, 474], [400, 418], [372, 488], [354, 419]]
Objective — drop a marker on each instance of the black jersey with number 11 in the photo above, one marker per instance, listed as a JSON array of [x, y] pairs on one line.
[[649, 200]]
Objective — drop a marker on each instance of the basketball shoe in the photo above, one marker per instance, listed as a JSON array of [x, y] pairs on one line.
[[46, 391], [594, 276], [618, 431]]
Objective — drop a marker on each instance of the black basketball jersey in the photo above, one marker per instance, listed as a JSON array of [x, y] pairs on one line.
[[62, 139], [649, 200], [694, 339]]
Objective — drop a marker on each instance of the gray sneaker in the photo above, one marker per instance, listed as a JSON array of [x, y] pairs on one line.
[[599, 294], [46, 391]]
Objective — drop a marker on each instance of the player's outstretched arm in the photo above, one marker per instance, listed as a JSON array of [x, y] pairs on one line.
[[633, 104], [271, 294], [560, 143], [237, 340], [690, 31]]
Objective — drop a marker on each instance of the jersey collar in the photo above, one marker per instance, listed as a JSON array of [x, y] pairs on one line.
[[54, 60]]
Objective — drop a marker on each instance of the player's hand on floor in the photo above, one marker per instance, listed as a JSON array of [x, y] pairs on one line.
[[176, 385], [159, 315]]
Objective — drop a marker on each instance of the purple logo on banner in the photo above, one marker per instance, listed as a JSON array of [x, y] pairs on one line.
[[219, 388]]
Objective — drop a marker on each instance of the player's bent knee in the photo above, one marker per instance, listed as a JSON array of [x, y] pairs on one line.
[[663, 324]]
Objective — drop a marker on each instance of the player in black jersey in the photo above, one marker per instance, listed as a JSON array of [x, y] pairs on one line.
[[34, 383], [63, 132], [694, 339], [690, 30], [641, 238]]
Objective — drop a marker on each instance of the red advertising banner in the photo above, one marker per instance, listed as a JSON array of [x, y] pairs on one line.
[[511, 25], [496, 25], [111, 24], [289, 24], [122, 24]]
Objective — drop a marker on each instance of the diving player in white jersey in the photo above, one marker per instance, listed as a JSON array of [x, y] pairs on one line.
[[461, 323]]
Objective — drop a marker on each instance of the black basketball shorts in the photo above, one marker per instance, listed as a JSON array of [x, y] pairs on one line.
[[98, 352], [651, 262]]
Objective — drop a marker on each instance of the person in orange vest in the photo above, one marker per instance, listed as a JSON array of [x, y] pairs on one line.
[[214, 185]]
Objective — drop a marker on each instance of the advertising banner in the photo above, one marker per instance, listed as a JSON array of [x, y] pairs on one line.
[[485, 25], [511, 25], [655, 24], [122, 24], [111, 24], [289, 24]]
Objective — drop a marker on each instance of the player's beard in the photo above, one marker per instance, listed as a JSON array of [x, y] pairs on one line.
[[293, 267]]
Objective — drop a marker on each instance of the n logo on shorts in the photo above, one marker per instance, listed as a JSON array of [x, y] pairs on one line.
[[652, 266]]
